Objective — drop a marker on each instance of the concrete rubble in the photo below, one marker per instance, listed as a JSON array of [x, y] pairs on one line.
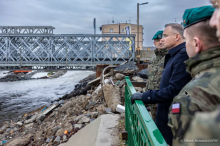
[[143, 73], [54, 125], [138, 79]]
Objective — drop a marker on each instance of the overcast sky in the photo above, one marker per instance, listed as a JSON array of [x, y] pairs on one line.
[[76, 16]]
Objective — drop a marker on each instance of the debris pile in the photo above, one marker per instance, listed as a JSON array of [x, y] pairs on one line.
[[143, 73], [55, 124]]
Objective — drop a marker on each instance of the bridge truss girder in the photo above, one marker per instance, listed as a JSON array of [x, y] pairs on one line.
[[66, 51]]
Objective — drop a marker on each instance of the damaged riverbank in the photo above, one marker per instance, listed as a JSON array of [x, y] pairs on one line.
[[11, 76], [55, 124], [20, 97]]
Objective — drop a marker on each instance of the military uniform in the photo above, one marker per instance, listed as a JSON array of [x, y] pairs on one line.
[[200, 94], [155, 70], [203, 130]]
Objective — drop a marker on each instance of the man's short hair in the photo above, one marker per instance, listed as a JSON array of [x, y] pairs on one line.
[[177, 27], [203, 31]]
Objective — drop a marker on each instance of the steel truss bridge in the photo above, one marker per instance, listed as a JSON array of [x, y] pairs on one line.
[[38, 48]]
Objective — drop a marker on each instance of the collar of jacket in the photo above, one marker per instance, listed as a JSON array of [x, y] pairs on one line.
[[162, 52], [204, 60], [174, 50]]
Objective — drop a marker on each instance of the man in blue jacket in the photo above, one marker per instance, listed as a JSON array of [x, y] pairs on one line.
[[174, 78]]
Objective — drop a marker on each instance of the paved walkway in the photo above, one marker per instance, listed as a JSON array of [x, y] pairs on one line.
[[101, 132]]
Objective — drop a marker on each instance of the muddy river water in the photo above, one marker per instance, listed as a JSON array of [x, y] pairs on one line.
[[19, 97]]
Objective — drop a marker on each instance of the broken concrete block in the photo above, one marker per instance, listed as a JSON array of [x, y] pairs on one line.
[[94, 115], [76, 119], [84, 120], [120, 108], [138, 79], [78, 125], [112, 96], [119, 76]]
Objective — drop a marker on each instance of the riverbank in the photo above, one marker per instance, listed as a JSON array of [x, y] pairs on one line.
[[20, 97], [56, 123], [10, 76]]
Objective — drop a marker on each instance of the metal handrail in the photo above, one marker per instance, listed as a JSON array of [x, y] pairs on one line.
[[141, 129]]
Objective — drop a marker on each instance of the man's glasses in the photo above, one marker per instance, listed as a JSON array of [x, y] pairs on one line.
[[166, 35]]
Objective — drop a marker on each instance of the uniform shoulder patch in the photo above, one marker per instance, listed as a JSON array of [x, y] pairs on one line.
[[175, 108]]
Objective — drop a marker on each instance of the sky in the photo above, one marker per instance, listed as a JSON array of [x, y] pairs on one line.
[[76, 16]]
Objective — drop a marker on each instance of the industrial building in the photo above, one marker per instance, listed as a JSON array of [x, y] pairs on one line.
[[120, 29]]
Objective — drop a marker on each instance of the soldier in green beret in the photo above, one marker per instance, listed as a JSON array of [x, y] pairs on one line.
[[202, 93], [155, 68], [206, 125]]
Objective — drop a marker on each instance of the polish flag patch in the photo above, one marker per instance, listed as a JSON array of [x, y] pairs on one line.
[[176, 108]]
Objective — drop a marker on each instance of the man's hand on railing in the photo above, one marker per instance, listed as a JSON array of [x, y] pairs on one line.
[[136, 96]]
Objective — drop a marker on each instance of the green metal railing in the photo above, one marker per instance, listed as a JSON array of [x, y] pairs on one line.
[[141, 128]]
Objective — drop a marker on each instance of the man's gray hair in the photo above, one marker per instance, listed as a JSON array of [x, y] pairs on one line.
[[177, 27]]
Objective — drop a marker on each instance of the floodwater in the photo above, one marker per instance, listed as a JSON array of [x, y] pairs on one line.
[[20, 97]]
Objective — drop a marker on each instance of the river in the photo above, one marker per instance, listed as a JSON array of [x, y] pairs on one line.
[[17, 98]]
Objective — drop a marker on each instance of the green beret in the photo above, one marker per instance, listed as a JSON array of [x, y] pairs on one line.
[[196, 15], [158, 35]]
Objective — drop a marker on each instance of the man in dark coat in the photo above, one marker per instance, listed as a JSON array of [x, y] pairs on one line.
[[174, 78]]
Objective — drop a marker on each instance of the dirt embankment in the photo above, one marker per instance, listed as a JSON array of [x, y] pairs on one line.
[[55, 124]]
